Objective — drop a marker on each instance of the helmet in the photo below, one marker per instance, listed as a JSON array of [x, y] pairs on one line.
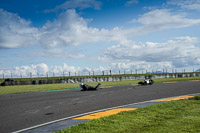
[[81, 84]]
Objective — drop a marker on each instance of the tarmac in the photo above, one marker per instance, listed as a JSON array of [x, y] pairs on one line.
[[75, 120]]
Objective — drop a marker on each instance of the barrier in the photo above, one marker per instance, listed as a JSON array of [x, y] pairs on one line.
[[9, 82]]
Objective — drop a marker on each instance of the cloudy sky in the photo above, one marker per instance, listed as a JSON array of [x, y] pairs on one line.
[[41, 36]]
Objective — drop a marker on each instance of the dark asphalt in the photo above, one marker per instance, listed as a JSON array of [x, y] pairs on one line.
[[19, 111]]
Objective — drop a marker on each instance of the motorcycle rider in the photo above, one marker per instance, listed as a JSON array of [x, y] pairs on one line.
[[86, 87]]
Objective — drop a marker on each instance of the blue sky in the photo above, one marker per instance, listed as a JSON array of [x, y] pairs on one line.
[[94, 35]]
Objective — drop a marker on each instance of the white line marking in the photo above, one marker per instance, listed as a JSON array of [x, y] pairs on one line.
[[40, 125]]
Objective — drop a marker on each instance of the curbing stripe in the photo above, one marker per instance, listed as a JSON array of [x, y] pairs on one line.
[[105, 113], [172, 99]]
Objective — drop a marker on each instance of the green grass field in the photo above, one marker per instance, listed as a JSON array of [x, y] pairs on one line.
[[182, 116], [49, 87]]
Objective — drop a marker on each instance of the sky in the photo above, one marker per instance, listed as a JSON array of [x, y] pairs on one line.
[[82, 36]]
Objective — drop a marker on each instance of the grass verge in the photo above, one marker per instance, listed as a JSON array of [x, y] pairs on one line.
[[175, 79], [169, 117], [49, 87]]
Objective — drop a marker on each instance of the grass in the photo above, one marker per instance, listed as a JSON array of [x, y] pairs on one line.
[[34, 88], [48, 87], [175, 79], [169, 117], [1, 81], [195, 98]]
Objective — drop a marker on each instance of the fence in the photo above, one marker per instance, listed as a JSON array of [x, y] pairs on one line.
[[121, 77], [12, 74]]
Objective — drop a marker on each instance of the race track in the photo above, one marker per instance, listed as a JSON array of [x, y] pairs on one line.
[[19, 111]]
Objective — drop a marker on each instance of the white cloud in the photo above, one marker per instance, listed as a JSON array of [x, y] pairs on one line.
[[131, 2], [141, 66], [43, 69], [15, 31], [161, 19], [149, 8], [178, 53], [54, 53], [186, 4], [80, 4], [181, 52], [71, 29], [68, 29], [60, 53], [25, 71]]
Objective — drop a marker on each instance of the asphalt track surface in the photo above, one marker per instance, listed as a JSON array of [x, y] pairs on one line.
[[19, 111]]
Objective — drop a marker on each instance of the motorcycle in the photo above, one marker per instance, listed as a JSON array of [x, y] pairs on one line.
[[146, 82]]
